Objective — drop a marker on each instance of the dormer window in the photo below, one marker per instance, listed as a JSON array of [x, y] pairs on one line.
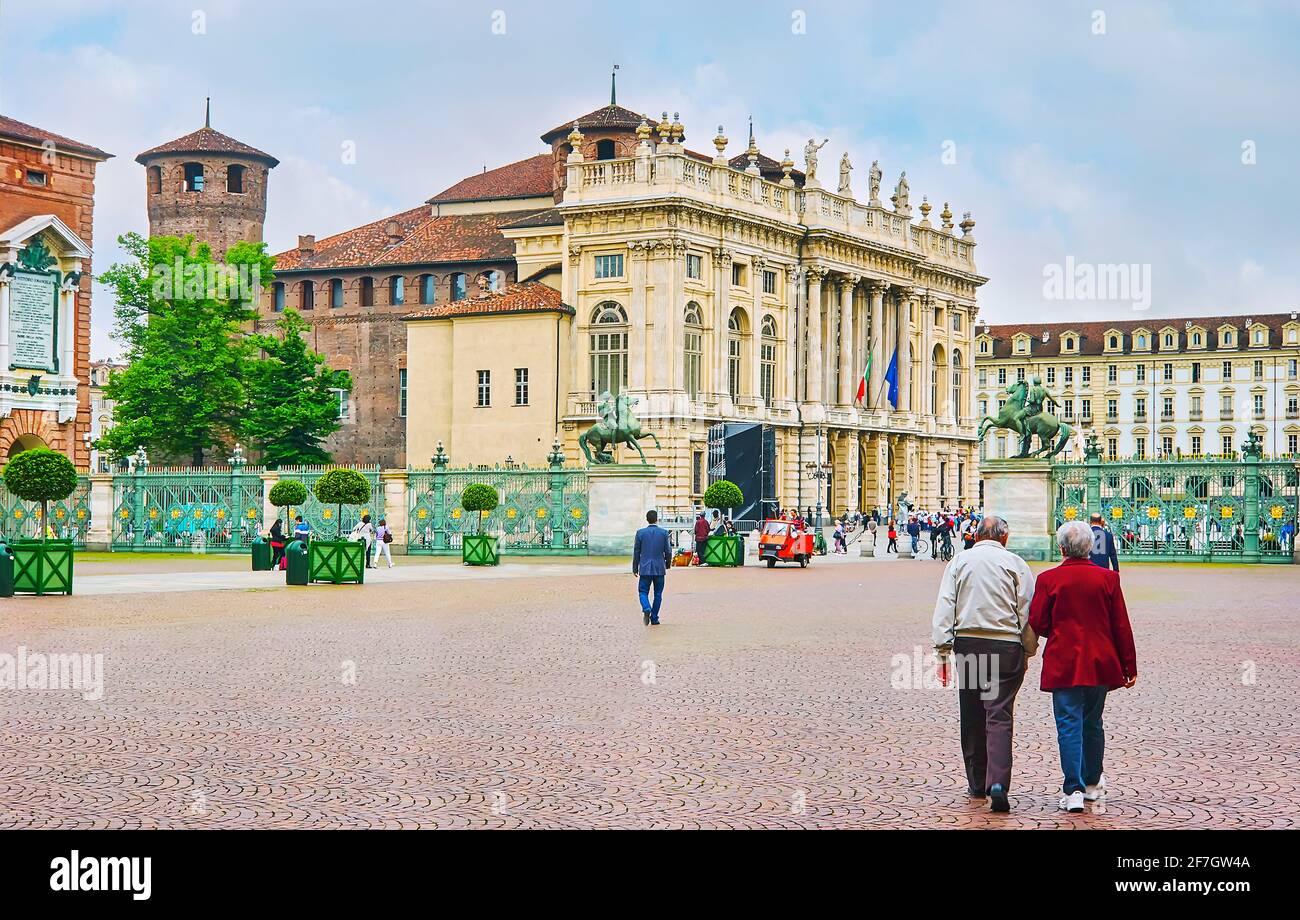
[[1114, 342], [1227, 338], [1196, 339], [984, 346], [1259, 336], [1169, 340], [1141, 341]]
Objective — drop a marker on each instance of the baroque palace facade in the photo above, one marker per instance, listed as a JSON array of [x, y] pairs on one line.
[[1192, 386], [712, 289]]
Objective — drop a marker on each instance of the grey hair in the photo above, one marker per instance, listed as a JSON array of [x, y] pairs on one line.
[[1075, 540], [992, 528]]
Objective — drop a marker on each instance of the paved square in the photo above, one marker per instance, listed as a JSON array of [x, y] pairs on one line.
[[539, 700]]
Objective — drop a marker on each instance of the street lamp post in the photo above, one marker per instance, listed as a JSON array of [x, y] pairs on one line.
[[819, 471]]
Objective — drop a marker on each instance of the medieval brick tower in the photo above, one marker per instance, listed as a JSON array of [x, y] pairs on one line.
[[209, 185]]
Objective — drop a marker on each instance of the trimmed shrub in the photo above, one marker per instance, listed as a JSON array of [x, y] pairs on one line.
[[287, 493], [479, 497], [41, 475], [723, 494], [341, 487]]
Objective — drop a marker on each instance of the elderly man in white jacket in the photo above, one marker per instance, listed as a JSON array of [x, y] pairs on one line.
[[981, 626]]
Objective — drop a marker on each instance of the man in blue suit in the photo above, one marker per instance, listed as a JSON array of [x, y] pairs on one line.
[[651, 557]]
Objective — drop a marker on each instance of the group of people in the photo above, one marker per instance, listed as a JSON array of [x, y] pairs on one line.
[[721, 527], [363, 531], [301, 531], [989, 617], [944, 527]]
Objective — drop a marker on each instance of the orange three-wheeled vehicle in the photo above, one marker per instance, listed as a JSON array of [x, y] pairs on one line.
[[784, 541]]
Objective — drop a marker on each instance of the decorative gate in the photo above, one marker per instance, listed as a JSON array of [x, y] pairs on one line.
[[1202, 509], [323, 518], [542, 511], [69, 519], [187, 509]]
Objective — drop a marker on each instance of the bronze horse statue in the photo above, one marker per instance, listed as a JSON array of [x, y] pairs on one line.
[[1053, 434], [617, 425]]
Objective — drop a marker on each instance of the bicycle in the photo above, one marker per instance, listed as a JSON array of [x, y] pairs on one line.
[[945, 551], [922, 547]]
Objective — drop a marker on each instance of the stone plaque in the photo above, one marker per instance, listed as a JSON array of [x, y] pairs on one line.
[[33, 297]]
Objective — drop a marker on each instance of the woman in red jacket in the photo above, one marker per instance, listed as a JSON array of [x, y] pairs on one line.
[[1079, 608]]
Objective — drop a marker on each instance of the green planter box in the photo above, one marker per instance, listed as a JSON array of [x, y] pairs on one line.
[[479, 549], [724, 551], [42, 567], [339, 562]]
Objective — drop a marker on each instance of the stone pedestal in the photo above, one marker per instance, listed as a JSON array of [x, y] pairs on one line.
[[99, 536], [1020, 492], [867, 544], [618, 497]]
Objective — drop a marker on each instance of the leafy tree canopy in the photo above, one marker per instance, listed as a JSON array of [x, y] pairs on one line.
[[342, 486], [287, 493], [723, 494], [40, 475]]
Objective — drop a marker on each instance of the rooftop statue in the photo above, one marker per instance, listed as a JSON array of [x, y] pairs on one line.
[[846, 170], [810, 157]]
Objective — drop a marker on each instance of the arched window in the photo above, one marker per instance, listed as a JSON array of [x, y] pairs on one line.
[[235, 179], [608, 347], [494, 280], [958, 403], [1114, 341], [767, 358], [155, 180], [1142, 341], [1259, 336], [1169, 340], [1196, 338], [367, 292], [605, 150], [1227, 338], [458, 286], [937, 363], [307, 295], [336, 293], [277, 291], [693, 349], [193, 177], [735, 331], [427, 288], [397, 290]]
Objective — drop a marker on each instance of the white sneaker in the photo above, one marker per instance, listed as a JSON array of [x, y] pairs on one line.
[[1093, 793], [1072, 803]]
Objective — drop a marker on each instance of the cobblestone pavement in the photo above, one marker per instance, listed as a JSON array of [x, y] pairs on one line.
[[764, 701]]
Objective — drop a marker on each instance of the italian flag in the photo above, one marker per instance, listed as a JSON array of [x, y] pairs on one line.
[[861, 395]]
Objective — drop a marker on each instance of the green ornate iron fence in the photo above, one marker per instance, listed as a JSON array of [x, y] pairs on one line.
[[69, 519], [323, 518], [187, 509], [1193, 509], [542, 511]]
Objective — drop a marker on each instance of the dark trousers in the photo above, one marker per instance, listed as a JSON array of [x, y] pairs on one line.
[[643, 590], [1080, 735], [987, 700]]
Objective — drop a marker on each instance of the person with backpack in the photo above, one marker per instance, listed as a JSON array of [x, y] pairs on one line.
[[383, 538]]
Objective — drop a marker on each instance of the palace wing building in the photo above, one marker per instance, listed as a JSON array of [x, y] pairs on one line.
[[712, 289], [1193, 386]]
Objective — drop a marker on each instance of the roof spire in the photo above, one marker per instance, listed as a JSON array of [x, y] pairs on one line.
[[207, 118], [613, 86]]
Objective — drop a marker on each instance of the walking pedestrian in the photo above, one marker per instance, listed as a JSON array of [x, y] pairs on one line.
[[364, 532], [914, 531], [651, 555], [1102, 552], [701, 536], [841, 547], [892, 533], [1078, 607], [277, 542], [981, 631], [383, 537]]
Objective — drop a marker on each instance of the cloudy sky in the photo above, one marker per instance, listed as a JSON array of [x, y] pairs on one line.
[[1102, 132]]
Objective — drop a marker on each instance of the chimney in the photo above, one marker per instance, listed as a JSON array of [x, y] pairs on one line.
[[393, 230], [307, 242]]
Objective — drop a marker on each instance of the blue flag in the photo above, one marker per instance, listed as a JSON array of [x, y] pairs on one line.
[[891, 378]]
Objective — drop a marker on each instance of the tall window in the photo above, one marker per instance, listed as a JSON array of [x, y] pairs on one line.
[[735, 329], [401, 392], [694, 266], [336, 292], [1259, 405], [1002, 376], [307, 295], [1141, 373], [1196, 372], [397, 290], [428, 289], [1051, 376], [193, 177], [1227, 371], [278, 291], [155, 180], [693, 349], [767, 357], [1227, 443], [769, 281], [1112, 373], [235, 179], [521, 386], [345, 404], [458, 289], [1085, 375], [367, 292], [1259, 370], [1196, 445], [957, 371], [610, 266], [484, 388], [608, 347]]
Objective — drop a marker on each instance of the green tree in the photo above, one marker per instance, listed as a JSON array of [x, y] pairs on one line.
[[341, 486], [291, 403], [181, 316], [479, 497], [287, 493], [723, 494], [41, 475]]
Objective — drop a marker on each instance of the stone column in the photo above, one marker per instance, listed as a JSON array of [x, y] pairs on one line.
[[794, 277], [67, 331], [904, 316], [396, 506], [661, 311], [848, 371], [756, 268], [636, 318], [722, 259], [876, 344], [925, 405], [677, 311], [816, 366], [99, 536], [269, 511], [579, 383]]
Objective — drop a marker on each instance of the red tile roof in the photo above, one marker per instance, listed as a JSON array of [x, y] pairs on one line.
[[528, 178], [206, 140], [523, 297], [607, 118], [1092, 334], [417, 239], [17, 130]]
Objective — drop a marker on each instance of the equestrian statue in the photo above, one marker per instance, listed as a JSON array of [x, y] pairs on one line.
[[617, 425], [1024, 414]]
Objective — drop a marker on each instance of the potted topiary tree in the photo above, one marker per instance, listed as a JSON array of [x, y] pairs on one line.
[[722, 550], [479, 548], [339, 561], [42, 566]]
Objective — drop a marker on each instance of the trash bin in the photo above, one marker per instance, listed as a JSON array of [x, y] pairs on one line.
[[261, 555], [295, 555], [6, 571]]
